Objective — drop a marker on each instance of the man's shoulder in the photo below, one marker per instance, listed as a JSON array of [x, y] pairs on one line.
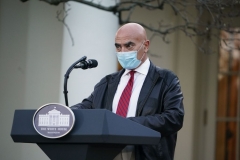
[[165, 74]]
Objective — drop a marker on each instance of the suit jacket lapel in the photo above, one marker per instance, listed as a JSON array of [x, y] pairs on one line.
[[147, 87], [112, 87]]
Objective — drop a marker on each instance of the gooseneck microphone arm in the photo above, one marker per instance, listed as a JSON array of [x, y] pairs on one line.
[[66, 76]]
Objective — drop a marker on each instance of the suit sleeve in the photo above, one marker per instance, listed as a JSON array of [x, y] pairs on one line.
[[170, 119], [96, 97], [85, 104]]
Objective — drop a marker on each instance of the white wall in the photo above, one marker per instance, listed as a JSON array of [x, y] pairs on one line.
[[12, 70], [30, 54], [186, 70], [44, 49]]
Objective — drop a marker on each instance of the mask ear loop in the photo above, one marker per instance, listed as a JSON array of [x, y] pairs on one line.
[[140, 47], [144, 52], [142, 57]]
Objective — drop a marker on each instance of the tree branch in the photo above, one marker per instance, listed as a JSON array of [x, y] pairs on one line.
[[222, 14]]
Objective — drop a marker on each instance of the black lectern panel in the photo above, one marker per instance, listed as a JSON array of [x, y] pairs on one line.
[[96, 133], [81, 151]]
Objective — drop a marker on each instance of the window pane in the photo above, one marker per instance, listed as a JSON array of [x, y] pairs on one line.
[[227, 96], [226, 141]]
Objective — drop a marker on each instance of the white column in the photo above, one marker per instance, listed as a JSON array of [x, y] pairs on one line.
[[93, 32]]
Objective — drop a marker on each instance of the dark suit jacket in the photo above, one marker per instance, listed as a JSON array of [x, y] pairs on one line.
[[159, 107]]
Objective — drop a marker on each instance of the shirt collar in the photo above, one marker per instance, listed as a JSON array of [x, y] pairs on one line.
[[143, 69]]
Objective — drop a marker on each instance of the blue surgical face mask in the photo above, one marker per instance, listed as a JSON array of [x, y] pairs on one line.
[[128, 60]]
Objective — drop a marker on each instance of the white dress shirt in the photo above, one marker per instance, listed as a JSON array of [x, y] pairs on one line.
[[139, 77]]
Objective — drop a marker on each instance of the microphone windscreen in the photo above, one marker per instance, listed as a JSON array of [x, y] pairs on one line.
[[92, 63]]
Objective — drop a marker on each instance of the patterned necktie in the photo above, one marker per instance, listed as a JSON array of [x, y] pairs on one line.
[[123, 103]]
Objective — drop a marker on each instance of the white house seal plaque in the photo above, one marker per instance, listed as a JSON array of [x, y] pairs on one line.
[[53, 120]]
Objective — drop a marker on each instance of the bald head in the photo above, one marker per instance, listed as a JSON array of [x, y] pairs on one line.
[[133, 30]]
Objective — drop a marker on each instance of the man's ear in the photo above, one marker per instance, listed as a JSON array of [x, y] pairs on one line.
[[146, 45]]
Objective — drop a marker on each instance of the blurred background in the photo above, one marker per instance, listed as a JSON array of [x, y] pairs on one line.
[[38, 45]]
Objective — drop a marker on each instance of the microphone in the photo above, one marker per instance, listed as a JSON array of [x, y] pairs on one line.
[[81, 63], [91, 63]]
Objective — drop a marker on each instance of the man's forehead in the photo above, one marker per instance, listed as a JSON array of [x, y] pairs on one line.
[[125, 43], [126, 39]]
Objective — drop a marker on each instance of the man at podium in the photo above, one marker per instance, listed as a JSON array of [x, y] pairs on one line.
[[142, 92]]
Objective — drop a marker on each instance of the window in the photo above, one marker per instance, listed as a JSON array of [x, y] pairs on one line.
[[228, 106]]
